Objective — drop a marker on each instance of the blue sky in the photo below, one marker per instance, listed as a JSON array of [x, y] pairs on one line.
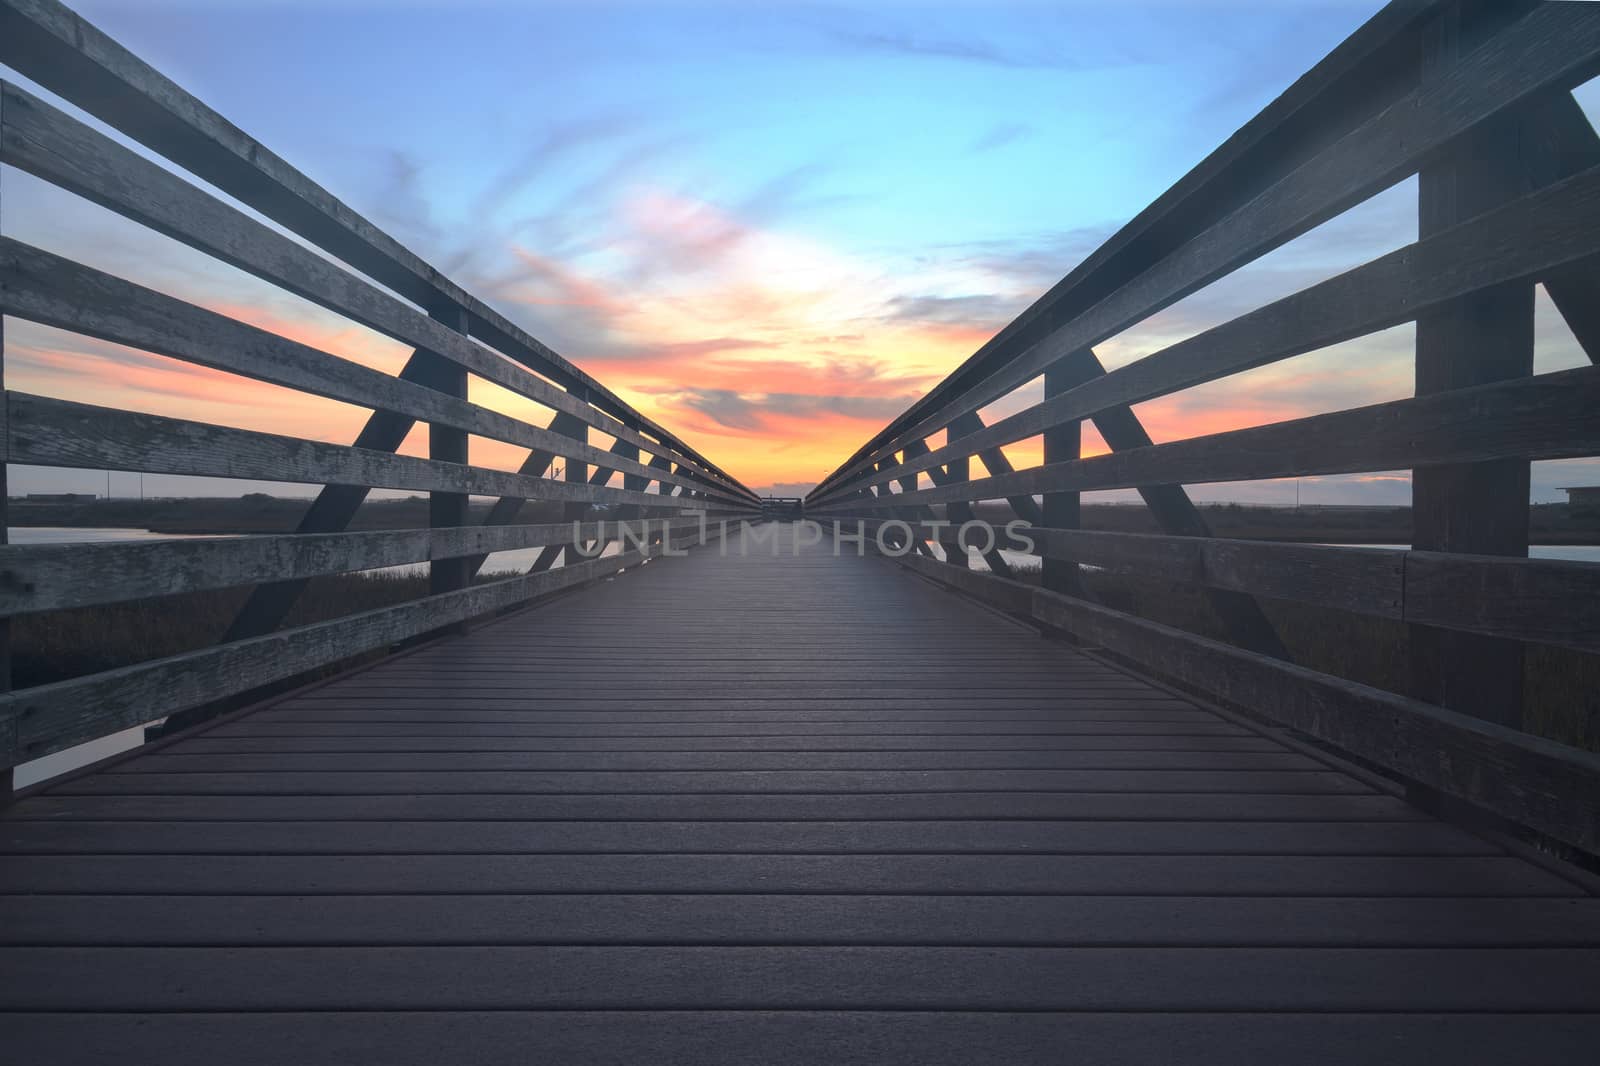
[[771, 226]]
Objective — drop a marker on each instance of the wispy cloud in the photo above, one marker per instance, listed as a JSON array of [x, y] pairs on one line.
[[1000, 135]]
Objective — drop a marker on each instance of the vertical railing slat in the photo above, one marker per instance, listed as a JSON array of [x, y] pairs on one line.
[[1481, 507]]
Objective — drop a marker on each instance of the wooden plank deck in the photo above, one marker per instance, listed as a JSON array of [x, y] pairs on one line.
[[780, 810]]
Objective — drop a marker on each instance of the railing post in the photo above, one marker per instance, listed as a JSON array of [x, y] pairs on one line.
[[1480, 507], [446, 444], [8, 780], [1061, 510], [577, 473], [632, 482], [956, 472], [573, 472], [887, 490]]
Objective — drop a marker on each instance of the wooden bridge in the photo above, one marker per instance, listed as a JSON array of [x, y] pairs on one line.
[[718, 788]]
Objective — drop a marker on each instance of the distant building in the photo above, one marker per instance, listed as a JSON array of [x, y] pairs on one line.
[[60, 497], [1583, 499]]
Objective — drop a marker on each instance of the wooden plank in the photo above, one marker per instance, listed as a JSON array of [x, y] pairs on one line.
[[1273, 782], [1479, 507], [1543, 417], [61, 51], [619, 709], [1051, 875], [1527, 239], [426, 763], [285, 734], [1531, 781], [995, 462], [995, 921], [574, 473], [1536, 600], [332, 511], [1363, 580], [1561, 141], [50, 432], [767, 838], [282, 730], [728, 807], [1063, 443], [1557, 46], [51, 717], [48, 577], [795, 1038], [538, 462], [577, 978], [6, 775], [447, 444]]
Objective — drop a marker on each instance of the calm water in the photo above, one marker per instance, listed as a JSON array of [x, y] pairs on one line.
[[1573, 553]]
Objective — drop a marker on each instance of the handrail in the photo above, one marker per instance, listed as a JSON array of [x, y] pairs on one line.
[[378, 284], [1476, 100]]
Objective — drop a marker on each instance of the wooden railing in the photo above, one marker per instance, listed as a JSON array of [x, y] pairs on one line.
[[1476, 99], [387, 289]]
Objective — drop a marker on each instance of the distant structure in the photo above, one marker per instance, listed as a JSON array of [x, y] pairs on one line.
[[61, 497], [1583, 499]]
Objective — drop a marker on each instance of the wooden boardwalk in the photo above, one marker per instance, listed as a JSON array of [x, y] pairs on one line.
[[785, 809]]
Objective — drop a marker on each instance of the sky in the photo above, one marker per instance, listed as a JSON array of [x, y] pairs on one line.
[[770, 227]]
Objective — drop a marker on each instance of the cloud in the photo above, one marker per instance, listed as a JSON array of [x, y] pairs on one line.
[[737, 411], [989, 311], [1000, 135]]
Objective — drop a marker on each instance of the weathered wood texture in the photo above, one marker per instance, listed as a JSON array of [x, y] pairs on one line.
[[49, 577], [823, 790], [1543, 601], [50, 432], [1545, 417], [1479, 507]]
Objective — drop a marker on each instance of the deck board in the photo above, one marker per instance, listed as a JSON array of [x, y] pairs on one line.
[[773, 809]]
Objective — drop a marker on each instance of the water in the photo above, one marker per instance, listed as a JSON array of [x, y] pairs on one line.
[[1572, 553], [74, 535]]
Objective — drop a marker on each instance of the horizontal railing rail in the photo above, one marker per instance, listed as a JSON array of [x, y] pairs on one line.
[[375, 283], [1474, 99]]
